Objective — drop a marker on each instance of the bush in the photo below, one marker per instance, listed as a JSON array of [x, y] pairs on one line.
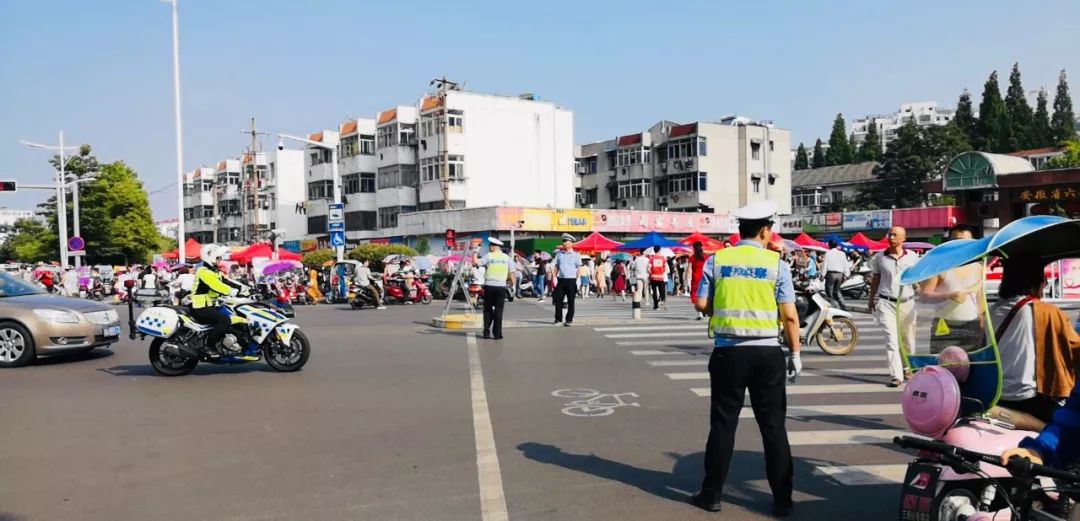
[[377, 252], [317, 258]]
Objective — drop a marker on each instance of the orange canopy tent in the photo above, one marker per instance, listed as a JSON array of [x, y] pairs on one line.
[[262, 249], [594, 243], [191, 250], [708, 244]]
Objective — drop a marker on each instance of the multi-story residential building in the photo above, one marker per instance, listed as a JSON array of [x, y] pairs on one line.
[[828, 188], [455, 149], [925, 114], [241, 200], [702, 166]]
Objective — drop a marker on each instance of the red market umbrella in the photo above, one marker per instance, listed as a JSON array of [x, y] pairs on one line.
[[708, 244], [595, 243], [865, 242], [809, 242], [191, 250], [262, 249]]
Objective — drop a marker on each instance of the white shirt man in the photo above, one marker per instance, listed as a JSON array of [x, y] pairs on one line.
[[887, 301], [836, 261]]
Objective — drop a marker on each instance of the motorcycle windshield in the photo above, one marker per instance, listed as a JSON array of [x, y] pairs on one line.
[[943, 321]]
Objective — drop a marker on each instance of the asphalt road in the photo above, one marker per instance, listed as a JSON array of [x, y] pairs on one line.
[[387, 421]]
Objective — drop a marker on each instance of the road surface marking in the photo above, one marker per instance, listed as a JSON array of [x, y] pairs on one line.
[[699, 327], [699, 333], [844, 437], [808, 360], [702, 342], [812, 411], [855, 475], [820, 389], [492, 499], [661, 340], [653, 352], [862, 371], [676, 363]]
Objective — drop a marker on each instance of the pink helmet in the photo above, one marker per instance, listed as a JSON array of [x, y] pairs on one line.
[[931, 401]]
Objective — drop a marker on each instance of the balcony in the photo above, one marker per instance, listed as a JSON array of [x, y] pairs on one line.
[[229, 192]]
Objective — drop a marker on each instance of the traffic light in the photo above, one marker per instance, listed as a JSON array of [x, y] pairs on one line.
[[7, 186]]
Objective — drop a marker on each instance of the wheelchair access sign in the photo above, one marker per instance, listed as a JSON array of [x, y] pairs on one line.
[[337, 239]]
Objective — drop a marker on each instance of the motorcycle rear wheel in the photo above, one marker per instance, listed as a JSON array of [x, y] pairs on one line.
[[828, 342], [426, 299], [291, 358], [166, 364]]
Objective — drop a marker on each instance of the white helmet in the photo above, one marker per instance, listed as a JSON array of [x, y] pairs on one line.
[[213, 253]]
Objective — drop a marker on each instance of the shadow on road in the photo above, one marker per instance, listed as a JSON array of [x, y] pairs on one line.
[[204, 369], [73, 358], [833, 500]]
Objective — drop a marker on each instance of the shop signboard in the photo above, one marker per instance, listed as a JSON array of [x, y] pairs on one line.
[[1070, 278], [674, 223], [309, 245], [1047, 194], [871, 220], [823, 223], [792, 224]]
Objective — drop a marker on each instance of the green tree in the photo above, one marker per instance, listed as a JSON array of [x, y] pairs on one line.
[[28, 240], [993, 134], [839, 146], [317, 258], [965, 118], [915, 156], [422, 246], [1019, 112], [1063, 122], [802, 161], [1041, 132], [819, 155], [377, 252], [116, 220], [1071, 159], [942, 144], [870, 149]]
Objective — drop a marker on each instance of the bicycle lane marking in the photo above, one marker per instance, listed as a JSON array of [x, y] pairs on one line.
[[492, 497]]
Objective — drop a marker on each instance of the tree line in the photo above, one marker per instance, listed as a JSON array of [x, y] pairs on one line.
[[1003, 124], [115, 218]]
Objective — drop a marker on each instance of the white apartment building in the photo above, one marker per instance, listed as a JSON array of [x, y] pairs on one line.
[[241, 200], [925, 114], [455, 149], [701, 166]]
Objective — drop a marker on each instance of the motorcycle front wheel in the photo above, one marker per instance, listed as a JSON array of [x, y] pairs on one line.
[[840, 338], [167, 364], [426, 299], [289, 358]]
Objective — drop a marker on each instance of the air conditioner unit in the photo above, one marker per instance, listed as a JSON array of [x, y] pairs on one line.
[[663, 167], [674, 198], [689, 163]]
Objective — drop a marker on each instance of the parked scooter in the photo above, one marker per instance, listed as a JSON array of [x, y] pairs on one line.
[[397, 293], [857, 286], [832, 328]]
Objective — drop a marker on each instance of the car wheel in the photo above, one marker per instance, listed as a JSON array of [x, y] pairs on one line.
[[16, 345]]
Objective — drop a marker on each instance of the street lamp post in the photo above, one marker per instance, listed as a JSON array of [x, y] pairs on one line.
[[61, 199], [179, 133], [333, 174], [75, 208]]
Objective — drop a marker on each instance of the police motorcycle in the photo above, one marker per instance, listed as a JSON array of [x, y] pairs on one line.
[[832, 328], [948, 344], [255, 332]]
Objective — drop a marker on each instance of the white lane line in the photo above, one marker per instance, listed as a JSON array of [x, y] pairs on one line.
[[844, 437], [653, 352], [492, 498], [860, 371], [699, 333], [811, 359], [678, 363], [820, 389], [690, 342], [855, 410], [856, 475], [699, 326]]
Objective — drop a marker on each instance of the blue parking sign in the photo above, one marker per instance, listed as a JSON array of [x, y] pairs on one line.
[[337, 239]]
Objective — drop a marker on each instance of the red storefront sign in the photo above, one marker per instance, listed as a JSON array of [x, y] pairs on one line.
[[941, 217]]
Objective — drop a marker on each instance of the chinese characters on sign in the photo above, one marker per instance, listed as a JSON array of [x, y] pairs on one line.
[[1047, 194]]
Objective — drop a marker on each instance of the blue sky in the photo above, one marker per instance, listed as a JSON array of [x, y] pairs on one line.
[[102, 70]]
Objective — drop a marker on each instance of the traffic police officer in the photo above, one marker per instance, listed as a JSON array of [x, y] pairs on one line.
[[746, 289], [496, 275]]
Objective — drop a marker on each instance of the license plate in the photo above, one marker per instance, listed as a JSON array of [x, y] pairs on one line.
[[111, 331]]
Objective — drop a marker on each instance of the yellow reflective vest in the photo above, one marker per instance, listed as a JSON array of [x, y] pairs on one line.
[[497, 268], [208, 287], [744, 294]]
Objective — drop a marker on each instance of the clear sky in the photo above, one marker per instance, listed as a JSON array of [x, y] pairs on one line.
[[102, 71]]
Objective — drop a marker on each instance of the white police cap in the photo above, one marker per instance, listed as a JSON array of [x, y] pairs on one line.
[[759, 211], [495, 241], [567, 237]]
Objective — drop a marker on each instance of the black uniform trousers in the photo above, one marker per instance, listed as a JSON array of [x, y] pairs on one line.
[[762, 370], [565, 288], [494, 301], [658, 288]]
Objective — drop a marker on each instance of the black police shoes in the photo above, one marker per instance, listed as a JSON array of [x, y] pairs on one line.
[[706, 501]]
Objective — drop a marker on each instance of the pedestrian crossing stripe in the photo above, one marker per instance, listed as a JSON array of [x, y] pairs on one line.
[[706, 343], [695, 326], [802, 412], [808, 361], [653, 352], [844, 437], [706, 392], [855, 371], [858, 475], [700, 331]]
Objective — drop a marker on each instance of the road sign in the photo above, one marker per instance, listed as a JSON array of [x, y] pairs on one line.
[[8, 186], [338, 226], [337, 239], [76, 243], [79, 253], [337, 213]]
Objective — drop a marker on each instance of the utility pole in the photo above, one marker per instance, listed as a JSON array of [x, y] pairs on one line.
[[444, 85], [182, 255], [251, 182]]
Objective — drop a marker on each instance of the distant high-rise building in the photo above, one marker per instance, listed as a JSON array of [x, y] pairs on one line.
[[925, 114]]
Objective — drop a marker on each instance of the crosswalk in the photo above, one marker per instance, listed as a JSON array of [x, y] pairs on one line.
[[839, 404]]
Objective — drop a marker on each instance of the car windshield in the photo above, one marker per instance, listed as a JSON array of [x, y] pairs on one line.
[[15, 287]]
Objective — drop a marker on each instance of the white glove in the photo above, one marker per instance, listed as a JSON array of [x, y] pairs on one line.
[[794, 367]]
